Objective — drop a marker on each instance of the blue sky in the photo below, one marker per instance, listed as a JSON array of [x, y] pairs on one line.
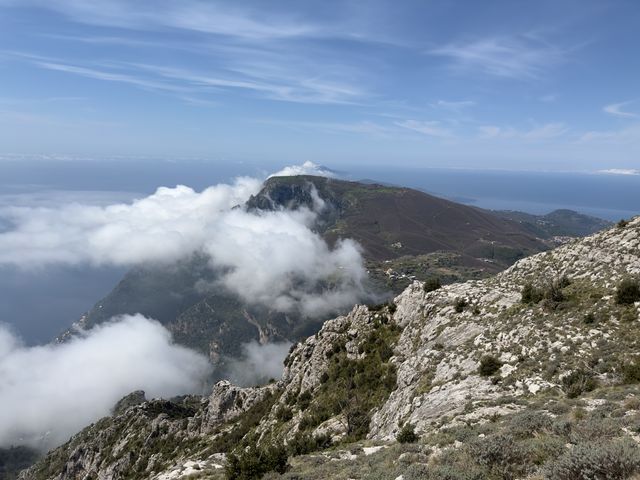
[[545, 85]]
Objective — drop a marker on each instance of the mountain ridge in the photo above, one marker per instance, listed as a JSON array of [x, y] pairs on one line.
[[483, 363]]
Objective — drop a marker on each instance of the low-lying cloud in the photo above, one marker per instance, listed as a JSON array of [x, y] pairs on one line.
[[258, 363], [272, 257], [307, 168], [47, 393]]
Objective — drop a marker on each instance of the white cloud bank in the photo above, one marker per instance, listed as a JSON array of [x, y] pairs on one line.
[[47, 393], [620, 171], [273, 258], [258, 363], [307, 168]]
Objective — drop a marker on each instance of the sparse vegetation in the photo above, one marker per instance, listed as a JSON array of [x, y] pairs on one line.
[[622, 223], [631, 371], [253, 463], [628, 291], [578, 382], [531, 294], [599, 460], [407, 434], [460, 305], [489, 364], [432, 284], [355, 386]]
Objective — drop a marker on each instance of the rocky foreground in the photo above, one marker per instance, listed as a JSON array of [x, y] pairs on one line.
[[532, 373]]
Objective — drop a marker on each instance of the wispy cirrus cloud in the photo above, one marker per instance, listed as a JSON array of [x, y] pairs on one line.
[[627, 135], [363, 127], [454, 106], [538, 132], [515, 57], [617, 110], [270, 83], [430, 128], [191, 15]]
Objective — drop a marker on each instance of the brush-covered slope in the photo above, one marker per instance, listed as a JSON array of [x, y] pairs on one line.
[[559, 223], [530, 374], [391, 221]]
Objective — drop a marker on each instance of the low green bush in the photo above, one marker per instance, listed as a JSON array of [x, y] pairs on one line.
[[432, 284], [407, 434], [489, 364], [628, 291], [501, 455], [284, 413], [615, 460], [631, 371], [578, 382], [460, 305], [303, 443], [253, 463], [531, 294]]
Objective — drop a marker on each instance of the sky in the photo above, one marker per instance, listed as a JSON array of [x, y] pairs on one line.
[[546, 85]]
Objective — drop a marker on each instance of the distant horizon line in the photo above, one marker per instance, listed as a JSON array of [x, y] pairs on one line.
[[58, 157]]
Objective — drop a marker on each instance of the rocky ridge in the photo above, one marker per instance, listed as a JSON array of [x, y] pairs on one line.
[[418, 361]]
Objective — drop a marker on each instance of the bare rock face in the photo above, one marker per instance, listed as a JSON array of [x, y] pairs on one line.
[[131, 400], [227, 401], [438, 353]]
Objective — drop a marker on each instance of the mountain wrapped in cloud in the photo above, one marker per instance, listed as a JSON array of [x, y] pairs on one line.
[[532, 372], [298, 252]]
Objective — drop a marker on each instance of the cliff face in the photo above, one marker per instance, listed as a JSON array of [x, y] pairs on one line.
[[549, 327]]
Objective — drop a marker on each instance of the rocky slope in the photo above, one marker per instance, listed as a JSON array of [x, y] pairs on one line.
[[550, 340]]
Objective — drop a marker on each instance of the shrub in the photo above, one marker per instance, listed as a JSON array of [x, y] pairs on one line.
[[407, 434], [460, 305], [601, 460], [531, 294], [358, 420], [595, 428], [628, 292], [253, 463], [578, 382], [432, 284], [303, 443], [529, 423], [420, 471], [304, 399], [631, 372], [622, 223], [489, 365], [284, 414], [501, 454], [589, 318]]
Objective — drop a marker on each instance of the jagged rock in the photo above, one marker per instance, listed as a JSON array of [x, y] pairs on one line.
[[131, 400], [227, 401]]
